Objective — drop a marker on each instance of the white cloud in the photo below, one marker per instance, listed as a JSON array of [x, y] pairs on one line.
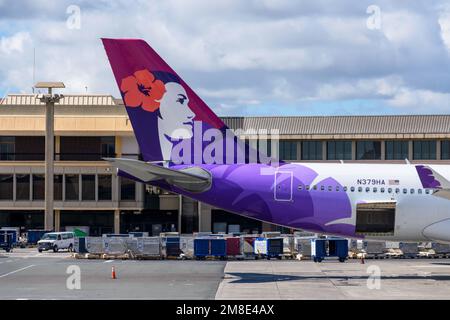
[[424, 101], [15, 43], [243, 53]]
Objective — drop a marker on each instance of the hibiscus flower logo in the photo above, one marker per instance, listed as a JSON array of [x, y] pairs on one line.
[[142, 90]]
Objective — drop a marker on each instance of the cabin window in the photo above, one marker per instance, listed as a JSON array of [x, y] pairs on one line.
[[345, 188], [382, 190], [405, 191], [389, 190], [352, 189], [412, 191], [322, 188], [300, 187], [307, 187], [397, 190], [330, 188], [359, 189], [367, 189], [427, 191], [315, 187], [337, 188], [419, 191], [375, 190]]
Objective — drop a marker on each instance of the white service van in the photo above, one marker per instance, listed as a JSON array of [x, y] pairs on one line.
[[56, 241]]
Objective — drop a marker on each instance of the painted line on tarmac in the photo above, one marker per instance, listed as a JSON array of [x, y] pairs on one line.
[[15, 271], [108, 261]]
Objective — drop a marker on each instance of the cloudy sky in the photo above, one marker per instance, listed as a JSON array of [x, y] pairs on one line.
[[246, 57]]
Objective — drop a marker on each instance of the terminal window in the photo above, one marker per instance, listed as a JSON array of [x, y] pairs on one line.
[[396, 150], [57, 186], [339, 150], [104, 187], [445, 149], [72, 187], [23, 187], [368, 150], [86, 148], [127, 189], [38, 187], [312, 150], [6, 186], [424, 150], [288, 150], [7, 148], [88, 187]]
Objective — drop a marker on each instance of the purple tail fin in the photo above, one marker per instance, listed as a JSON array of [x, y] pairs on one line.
[[160, 105]]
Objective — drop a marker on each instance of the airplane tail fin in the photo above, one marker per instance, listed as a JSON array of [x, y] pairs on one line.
[[162, 108]]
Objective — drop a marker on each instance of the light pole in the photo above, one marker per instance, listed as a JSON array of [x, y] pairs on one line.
[[49, 99]]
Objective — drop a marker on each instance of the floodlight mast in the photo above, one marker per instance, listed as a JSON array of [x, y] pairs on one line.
[[49, 99]]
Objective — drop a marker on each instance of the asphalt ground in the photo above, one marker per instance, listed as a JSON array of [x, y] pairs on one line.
[[27, 274]]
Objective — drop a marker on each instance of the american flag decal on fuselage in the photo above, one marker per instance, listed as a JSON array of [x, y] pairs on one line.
[[394, 182]]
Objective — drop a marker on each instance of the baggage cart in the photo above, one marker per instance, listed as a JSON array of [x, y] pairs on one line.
[[210, 247], [329, 247]]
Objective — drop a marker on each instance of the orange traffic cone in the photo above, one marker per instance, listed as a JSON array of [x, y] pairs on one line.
[[113, 273]]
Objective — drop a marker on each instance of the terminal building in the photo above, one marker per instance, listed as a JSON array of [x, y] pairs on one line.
[[88, 193]]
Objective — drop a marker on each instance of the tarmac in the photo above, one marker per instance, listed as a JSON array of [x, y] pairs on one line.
[[27, 274]]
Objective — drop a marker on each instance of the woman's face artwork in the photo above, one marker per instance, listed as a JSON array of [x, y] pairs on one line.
[[144, 90], [175, 112]]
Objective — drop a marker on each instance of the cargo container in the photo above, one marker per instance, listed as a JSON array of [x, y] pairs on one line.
[[34, 235], [131, 244], [218, 248], [233, 246], [149, 246], [274, 247], [187, 247], [303, 247], [289, 248], [7, 240], [114, 245], [375, 249], [170, 246], [260, 246], [440, 248], [329, 247], [392, 245], [94, 245], [210, 246], [409, 249], [79, 245], [269, 247], [15, 233], [248, 245]]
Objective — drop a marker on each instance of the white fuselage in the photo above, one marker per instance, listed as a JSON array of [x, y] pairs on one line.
[[416, 207]]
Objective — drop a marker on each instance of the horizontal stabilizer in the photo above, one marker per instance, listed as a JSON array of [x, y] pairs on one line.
[[192, 179], [433, 180]]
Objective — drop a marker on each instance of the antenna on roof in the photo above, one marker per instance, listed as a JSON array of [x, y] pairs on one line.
[[34, 68], [407, 161]]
